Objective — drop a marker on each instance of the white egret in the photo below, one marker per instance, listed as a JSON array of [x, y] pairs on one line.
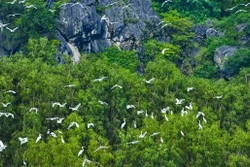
[[149, 81], [200, 114], [30, 6], [183, 112], [70, 86], [62, 140], [189, 89], [38, 138], [133, 142], [72, 124], [179, 101], [85, 161], [53, 134], [142, 135], [7, 115], [124, 123], [232, 8], [204, 119], [218, 97], [23, 140], [163, 50], [116, 85], [58, 104], [182, 133], [146, 113], [59, 121], [134, 123], [90, 124], [165, 2], [155, 134], [23, 1], [152, 115], [2, 146], [240, 10], [52, 118], [81, 151], [190, 107], [245, 4], [130, 106], [33, 108], [11, 91], [102, 102], [12, 2], [13, 14], [140, 112], [75, 108], [164, 110], [166, 118], [6, 104], [199, 125], [101, 147], [99, 79]]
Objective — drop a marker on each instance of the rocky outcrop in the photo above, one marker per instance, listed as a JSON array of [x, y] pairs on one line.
[[221, 55], [92, 26]]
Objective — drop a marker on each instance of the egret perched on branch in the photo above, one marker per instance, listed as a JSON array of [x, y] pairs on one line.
[[164, 110], [218, 97], [155, 134], [12, 30], [53, 134], [7, 114], [163, 50], [38, 138], [130, 106], [124, 123], [81, 151], [182, 133]]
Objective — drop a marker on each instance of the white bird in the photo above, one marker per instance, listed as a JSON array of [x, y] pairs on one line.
[[75, 108], [101, 147], [30, 6], [6, 104], [179, 101], [12, 2], [126, 6], [165, 25], [133, 142], [199, 114], [240, 10], [58, 104], [189, 89], [102, 102], [204, 119], [70, 86], [81, 151], [111, 4], [232, 8], [124, 123], [11, 91], [161, 139], [59, 121], [149, 81], [62, 140], [3, 25], [7, 114], [13, 15], [38, 138], [116, 85], [104, 18], [90, 124], [134, 123], [140, 112], [100, 79], [199, 125], [218, 97], [190, 107], [166, 118], [152, 115], [165, 2], [130, 106], [23, 140], [72, 124], [52, 11], [48, 131], [155, 134], [53, 134], [163, 50], [85, 161], [182, 133], [24, 163], [2, 146], [245, 4], [183, 112], [12, 30], [23, 1], [142, 135], [33, 108], [146, 113], [161, 22], [52, 118], [78, 4], [164, 110]]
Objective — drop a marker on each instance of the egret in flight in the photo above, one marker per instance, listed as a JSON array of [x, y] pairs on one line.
[[23, 140], [165, 2], [72, 124], [100, 79], [200, 114], [30, 6], [189, 89], [75, 108], [133, 142], [11, 91], [101, 147], [2, 146], [163, 50], [179, 101], [102, 102], [116, 85], [6, 104], [182, 133], [142, 135], [90, 124], [58, 104], [190, 107], [149, 81], [33, 108]]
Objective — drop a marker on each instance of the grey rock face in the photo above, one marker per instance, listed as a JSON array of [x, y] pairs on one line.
[[92, 26], [221, 55]]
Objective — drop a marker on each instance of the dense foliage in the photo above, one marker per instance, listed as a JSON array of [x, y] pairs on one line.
[[125, 118]]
